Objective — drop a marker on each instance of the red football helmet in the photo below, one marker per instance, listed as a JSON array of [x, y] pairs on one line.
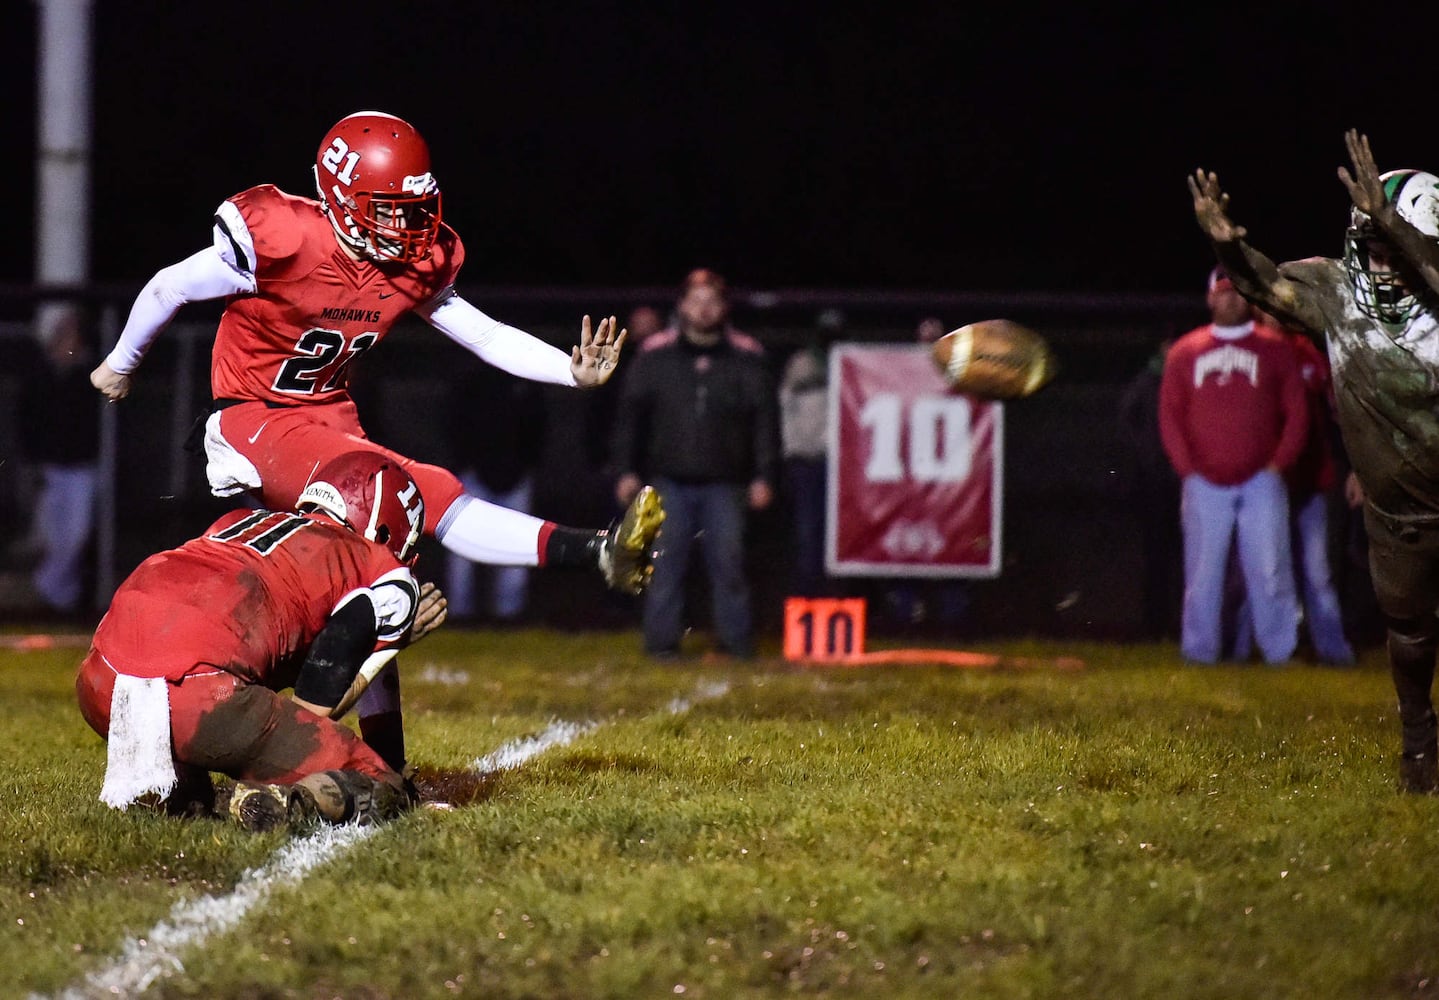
[[373, 175], [370, 494]]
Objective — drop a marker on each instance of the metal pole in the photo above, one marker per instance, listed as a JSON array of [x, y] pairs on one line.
[[62, 222], [62, 218], [62, 170]]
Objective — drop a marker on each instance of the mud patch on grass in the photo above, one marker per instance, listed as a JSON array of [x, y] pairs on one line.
[[457, 788], [591, 762]]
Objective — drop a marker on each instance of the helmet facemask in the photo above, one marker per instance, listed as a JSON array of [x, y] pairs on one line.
[[1383, 293], [385, 228], [372, 173]]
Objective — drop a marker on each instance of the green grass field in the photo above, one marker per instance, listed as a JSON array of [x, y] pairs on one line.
[[1138, 828]]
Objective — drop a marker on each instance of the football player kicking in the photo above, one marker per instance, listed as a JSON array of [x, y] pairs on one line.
[[1377, 309], [183, 674], [310, 286]]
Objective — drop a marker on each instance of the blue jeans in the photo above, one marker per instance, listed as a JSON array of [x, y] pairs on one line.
[[509, 586], [1256, 514], [715, 511], [1309, 538], [1321, 603], [64, 520]]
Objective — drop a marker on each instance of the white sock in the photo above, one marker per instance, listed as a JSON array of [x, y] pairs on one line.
[[484, 532]]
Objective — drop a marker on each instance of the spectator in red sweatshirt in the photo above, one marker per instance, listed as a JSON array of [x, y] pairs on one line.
[[1233, 417]]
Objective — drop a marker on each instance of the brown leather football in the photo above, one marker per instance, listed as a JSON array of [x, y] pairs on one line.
[[994, 359]]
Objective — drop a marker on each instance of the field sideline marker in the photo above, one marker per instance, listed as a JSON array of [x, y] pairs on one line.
[[830, 631]]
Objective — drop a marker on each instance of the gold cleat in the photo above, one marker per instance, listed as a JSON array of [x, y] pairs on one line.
[[628, 551]]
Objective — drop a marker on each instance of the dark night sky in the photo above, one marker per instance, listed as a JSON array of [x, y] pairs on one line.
[[897, 146]]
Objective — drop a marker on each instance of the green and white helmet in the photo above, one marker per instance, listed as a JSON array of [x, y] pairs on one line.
[[1382, 294]]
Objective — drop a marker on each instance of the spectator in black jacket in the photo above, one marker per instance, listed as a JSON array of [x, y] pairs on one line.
[[699, 418], [60, 428], [1154, 499]]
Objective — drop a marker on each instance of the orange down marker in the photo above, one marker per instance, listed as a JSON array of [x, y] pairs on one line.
[[830, 630]]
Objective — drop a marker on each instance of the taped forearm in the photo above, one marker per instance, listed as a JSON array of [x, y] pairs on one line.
[[203, 275], [499, 344], [338, 652]]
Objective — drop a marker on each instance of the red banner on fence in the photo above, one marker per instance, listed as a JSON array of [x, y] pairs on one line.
[[915, 472]]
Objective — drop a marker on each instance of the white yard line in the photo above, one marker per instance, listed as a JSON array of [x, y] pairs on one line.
[[704, 691], [561, 733], [145, 959], [514, 753]]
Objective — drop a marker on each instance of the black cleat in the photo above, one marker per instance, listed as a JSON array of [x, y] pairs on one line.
[[1419, 773]]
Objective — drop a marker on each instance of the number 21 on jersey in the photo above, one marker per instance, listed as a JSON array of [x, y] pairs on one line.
[[318, 351]]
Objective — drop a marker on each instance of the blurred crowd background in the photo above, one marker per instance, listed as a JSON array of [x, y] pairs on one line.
[[1091, 546]]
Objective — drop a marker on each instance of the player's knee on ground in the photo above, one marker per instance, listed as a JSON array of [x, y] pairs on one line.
[[345, 796]]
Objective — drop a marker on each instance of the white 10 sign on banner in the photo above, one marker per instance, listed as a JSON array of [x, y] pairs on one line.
[[915, 472]]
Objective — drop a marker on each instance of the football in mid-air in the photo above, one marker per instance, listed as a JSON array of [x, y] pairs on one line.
[[994, 359]]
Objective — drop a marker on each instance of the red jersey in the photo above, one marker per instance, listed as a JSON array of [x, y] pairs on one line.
[[249, 596], [1228, 408], [315, 309], [1314, 471]]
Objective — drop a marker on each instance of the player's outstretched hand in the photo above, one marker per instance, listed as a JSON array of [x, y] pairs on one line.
[[1211, 208], [594, 359], [1366, 190], [431, 613], [111, 383]]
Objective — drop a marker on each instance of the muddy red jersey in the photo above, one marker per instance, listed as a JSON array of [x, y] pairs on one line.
[[315, 309], [249, 596]]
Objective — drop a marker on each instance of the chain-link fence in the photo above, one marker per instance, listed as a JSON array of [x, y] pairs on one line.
[[1077, 548]]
